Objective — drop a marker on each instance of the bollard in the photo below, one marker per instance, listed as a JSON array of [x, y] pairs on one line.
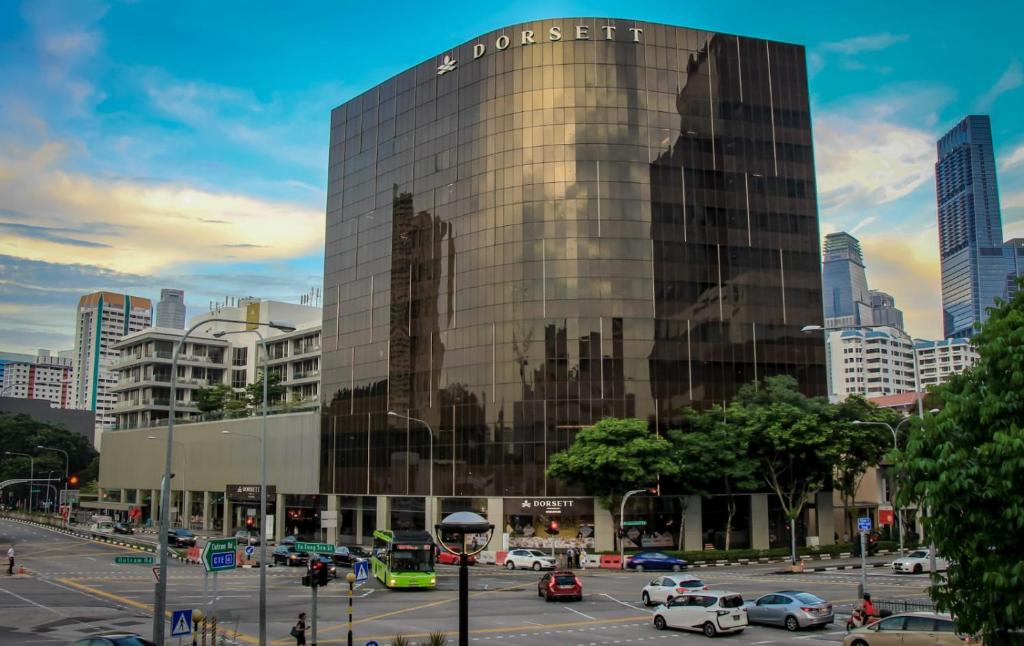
[[213, 631], [197, 618]]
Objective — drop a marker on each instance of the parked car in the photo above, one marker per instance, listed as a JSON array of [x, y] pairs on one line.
[[909, 628], [181, 537], [917, 562], [655, 561], [790, 608], [556, 585], [524, 558], [114, 639], [447, 558], [123, 528], [246, 537], [347, 555], [665, 588], [287, 555], [710, 612]]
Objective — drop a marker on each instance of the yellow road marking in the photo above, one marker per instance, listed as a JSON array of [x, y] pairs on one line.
[[146, 607]]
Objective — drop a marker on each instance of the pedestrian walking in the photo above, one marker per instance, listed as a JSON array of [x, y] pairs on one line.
[[10, 560], [299, 630], [583, 558], [569, 555]]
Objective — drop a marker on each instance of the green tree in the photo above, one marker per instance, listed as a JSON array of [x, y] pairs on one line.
[[713, 458], [793, 439], [22, 434], [215, 398], [966, 467], [612, 457], [275, 391], [861, 446]]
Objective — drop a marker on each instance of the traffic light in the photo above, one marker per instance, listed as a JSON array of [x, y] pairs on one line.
[[73, 482], [552, 529], [323, 574], [653, 491], [318, 573], [250, 522]]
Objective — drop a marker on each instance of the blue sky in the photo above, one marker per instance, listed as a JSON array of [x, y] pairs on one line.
[[147, 145]]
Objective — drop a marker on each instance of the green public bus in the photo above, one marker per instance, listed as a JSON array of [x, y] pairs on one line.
[[403, 559]]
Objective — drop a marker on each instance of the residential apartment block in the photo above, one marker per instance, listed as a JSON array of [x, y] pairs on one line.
[[43, 377], [869, 362], [937, 360]]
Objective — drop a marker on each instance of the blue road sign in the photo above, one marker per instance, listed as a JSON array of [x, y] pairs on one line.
[[249, 550], [372, 643], [181, 623], [361, 568], [864, 524]]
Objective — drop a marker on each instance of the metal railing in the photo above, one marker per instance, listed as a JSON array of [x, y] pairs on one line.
[[906, 605], [303, 406]]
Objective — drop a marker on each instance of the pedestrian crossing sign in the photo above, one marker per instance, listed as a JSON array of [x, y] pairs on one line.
[[361, 567], [181, 623]]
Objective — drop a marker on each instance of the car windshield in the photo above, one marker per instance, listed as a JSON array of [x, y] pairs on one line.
[[565, 579], [654, 555], [184, 532], [537, 553], [690, 583], [806, 597], [919, 554], [411, 561], [733, 601]]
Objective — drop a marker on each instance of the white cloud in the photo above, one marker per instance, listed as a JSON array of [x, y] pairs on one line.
[[142, 227], [1015, 158], [868, 43], [1011, 79], [1010, 200]]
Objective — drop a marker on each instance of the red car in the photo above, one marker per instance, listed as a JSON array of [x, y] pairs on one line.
[[445, 557], [560, 584]]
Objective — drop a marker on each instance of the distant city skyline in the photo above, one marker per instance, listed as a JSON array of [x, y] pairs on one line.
[[130, 162]]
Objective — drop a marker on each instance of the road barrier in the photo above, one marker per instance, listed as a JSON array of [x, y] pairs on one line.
[[611, 562], [499, 558]]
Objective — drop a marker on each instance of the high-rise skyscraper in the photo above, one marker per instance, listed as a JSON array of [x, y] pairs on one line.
[[170, 311], [1015, 259], [971, 249], [103, 318], [884, 310], [845, 292]]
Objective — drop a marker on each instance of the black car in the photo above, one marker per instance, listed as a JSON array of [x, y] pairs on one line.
[[123, 528], [181, 537], [114, 639], [347, 555], [286, 555]]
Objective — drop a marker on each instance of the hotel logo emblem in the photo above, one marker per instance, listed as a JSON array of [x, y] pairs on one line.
[[447, 65]]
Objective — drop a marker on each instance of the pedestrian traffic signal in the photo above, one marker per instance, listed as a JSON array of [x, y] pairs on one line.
[[552, 529]]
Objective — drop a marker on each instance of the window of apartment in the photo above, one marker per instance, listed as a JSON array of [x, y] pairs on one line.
[[238, 378], [239, 356]]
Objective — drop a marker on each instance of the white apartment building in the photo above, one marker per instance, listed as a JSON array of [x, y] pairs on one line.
[[103, 319], [220, 352], [44, 377], [937, 360], [869, 362]]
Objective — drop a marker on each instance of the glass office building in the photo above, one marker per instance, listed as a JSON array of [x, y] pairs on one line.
[[552, 223]]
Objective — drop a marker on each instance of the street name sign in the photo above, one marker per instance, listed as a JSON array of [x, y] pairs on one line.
[[634, 523], [864, 524], [220, 554], [317, 548], [133, 560]]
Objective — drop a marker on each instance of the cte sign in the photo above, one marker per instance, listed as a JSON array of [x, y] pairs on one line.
[[220, 554]]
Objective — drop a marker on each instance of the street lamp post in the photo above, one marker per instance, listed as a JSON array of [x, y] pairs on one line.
[[896, 447], [184, 471], [430, 431], [622, 526], [66, 474], [460, 524], [31, 473], [263, 476], [160, 593]]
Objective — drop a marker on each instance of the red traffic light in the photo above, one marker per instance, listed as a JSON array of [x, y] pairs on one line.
[[652, 490], [73, 481], [552, 527], [250, 522]]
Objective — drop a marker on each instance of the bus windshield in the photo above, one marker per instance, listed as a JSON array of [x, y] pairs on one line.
[[412, 560]]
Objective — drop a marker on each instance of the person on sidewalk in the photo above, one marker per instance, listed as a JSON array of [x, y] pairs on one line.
[[10, 560], [299, 630]]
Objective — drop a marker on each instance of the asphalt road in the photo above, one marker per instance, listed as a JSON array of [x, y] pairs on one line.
[[74, 589]]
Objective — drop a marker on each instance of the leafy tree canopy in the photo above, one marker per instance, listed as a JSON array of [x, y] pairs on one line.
[[22, 434], [614, 456], [966, 467], [214, 398]]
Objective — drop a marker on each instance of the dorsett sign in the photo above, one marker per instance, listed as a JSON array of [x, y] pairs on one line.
[[554, 34]]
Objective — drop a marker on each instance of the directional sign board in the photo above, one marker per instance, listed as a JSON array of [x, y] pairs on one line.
[[181, 623], [220, 554], [133, 560], [361, 568], [864, 524], [637, 523], [314, 548]]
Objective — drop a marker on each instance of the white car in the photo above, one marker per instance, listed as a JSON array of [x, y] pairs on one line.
[[526, 559], [665, 588], [917, 562], [711, 612]]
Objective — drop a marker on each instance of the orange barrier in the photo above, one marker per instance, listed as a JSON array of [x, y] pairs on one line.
[[611, 561], [499, 557]]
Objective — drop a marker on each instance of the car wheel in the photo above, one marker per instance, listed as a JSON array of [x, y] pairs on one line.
[[639, 568], [510, 565], [579, 598], [918, 569], [859, 642], [792, 624], [676, 568], [659, 622], [539, 593], [536, 566], [548, 598], [709, 629], [646, 599]]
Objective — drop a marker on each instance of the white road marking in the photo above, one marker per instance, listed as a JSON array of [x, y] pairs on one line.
[[580, 613], [56, 612], [628, 605]]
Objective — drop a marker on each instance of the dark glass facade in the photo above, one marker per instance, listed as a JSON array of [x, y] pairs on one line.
[[525, 237]]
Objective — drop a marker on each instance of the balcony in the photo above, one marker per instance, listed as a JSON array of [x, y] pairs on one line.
[[129, 359]]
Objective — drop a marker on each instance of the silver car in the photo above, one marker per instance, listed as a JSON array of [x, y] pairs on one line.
[[790, 608]]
